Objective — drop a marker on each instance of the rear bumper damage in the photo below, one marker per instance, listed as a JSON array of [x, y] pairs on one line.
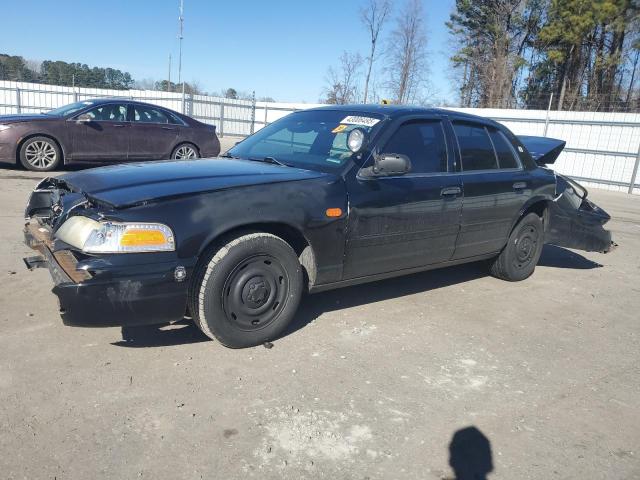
[[111, 295], [576, 222]]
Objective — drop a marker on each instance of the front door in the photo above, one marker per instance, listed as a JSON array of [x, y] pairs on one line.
[[105, 137], [406, 221], [495, 189], [153, 135]]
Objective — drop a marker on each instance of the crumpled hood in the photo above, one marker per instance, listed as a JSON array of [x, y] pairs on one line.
[[135, 183], [26, 117]]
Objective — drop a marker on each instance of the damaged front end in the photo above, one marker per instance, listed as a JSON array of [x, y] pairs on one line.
[[576, 222], [98, 289], [49, 205]]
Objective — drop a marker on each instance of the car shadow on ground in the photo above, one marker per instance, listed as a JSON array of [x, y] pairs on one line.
[[558, 257], [164, 335], [313, 306]]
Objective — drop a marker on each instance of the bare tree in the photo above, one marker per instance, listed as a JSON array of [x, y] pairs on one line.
[[407, 54], [373, 15], [342, 83]]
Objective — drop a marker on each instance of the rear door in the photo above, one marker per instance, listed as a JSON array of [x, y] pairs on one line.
[[496, 187], [154, 133], [410, 220], [105, 137]]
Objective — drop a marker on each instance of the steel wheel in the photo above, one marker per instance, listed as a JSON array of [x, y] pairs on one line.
[[255, 292], [185, 152], [520, 255], [41, 154], [526, 246], [246, 291]]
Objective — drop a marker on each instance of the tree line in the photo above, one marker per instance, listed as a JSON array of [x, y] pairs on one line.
[[16, 68], [566, 54]]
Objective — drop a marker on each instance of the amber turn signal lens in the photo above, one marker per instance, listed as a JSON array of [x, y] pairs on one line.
[[333, 212], [139, 237]]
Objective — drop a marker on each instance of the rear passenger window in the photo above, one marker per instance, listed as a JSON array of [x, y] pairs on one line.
[[424, 143], [475, 147], [505, 152], [149, 115]]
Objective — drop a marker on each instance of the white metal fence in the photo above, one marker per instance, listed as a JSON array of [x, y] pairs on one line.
[[603, 149]]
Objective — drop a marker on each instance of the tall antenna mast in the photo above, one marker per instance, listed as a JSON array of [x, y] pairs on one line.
[[169, 76], [181, 21]]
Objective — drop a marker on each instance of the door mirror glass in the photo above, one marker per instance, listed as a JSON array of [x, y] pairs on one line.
[[391, 164]]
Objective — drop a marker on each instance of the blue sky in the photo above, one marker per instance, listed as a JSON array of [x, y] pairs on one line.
[[279, 48]]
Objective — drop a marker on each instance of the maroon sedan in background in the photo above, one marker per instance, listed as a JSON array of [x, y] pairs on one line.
[[103, 131]]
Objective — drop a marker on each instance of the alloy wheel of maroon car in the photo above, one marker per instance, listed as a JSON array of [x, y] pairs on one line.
[[40, 154]]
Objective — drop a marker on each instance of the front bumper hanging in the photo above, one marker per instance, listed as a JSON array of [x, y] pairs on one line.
[[114, 295]]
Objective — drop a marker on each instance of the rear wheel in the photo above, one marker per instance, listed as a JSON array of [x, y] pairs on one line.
[[40, 154], [248, 291], [520, 256], [185, 151]]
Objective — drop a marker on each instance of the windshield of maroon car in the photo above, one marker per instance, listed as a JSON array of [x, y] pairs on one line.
[[69, 109], [313, 140]]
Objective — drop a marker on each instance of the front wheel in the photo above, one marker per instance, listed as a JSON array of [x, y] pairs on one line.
[[520, 256], [40, 154], [185, 151], [248, 291]]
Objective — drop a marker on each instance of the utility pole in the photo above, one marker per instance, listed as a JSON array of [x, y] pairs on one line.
[[181, 22], [169, 76]]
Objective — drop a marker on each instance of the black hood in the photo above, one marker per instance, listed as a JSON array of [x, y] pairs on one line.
[[135, 183]]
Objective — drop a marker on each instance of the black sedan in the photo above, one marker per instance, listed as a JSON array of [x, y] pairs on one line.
[[320, 199], [103, 131]]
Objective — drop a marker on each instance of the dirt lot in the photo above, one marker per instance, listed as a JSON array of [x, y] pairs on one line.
[[372, 382]]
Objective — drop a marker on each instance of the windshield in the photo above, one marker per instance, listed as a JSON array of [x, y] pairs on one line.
[[69, 109], [314, 140]]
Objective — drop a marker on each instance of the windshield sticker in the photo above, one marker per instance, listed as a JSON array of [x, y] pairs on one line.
[[339, 128], [358, 120]]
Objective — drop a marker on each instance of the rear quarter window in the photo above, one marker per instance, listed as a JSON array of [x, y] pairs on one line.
[[476, 148], [504, 150]]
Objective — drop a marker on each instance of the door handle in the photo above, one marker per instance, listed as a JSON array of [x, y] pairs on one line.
[[169, 128], [520, 185], [118, 125], [445, 192]]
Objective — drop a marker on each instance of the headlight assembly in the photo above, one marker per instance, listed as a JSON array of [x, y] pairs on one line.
[[92, 236]]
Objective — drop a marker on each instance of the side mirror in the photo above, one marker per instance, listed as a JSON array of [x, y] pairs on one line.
[[83, 118], [391, 164]]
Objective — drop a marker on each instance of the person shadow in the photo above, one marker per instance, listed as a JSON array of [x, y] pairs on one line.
[[470, 454]]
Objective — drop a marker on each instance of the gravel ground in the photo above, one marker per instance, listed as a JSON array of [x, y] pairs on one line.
[[395, 379]]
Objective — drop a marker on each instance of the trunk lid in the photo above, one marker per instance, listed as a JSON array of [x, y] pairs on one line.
[[544, 150]]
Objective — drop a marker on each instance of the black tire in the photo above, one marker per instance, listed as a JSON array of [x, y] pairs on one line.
[[177, 154], [40, 154], [248, 291], [520, 256]]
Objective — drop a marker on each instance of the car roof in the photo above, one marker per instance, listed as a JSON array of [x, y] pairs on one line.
[[99, 101], [395, 111]]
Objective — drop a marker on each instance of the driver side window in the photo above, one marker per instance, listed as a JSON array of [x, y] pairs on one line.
[[111, 112], [424, 142]]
